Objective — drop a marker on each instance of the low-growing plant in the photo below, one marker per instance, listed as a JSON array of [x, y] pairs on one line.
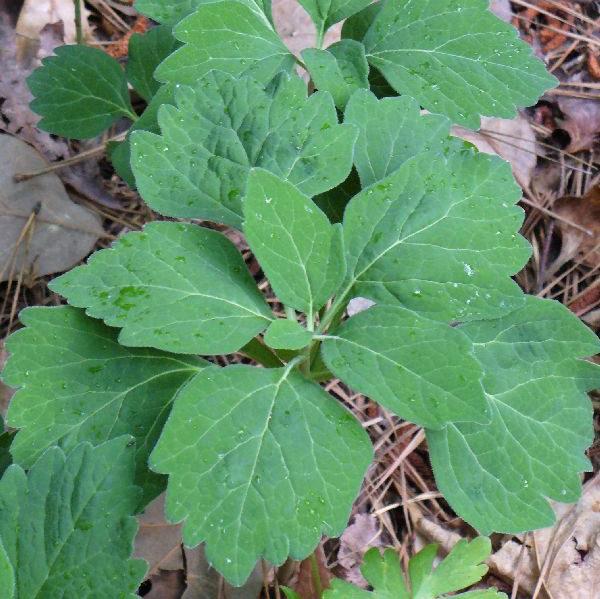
[[350, 191]]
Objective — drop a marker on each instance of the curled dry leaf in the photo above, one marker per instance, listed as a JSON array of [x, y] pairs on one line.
[[41, 230], [511, 139], [581, 122], [358, 538], [304, 581], [160, 544]]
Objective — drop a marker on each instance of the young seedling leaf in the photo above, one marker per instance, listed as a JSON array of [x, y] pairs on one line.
[[461, 568], [391, 131], [439, 235], [146, 52], [99, 389], [498, 476], [223, 127], [325, 13], [339, 70], [299, 250], [80, 92], [176, 287], [287, 334], [173, 11], [234, 36], [252, 467], [455, 58], [422, 370], [67, 526]]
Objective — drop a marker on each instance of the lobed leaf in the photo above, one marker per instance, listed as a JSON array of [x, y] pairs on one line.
[[80, 92], [177, 287], [67, 527], [339, 70], [422, 370], [146, 52], [299, 250], [252, 467], [461, 568], [78, 384], [233, 36], [222, 128], [498, 476], [439, 236], [391, 131], [455, 57]]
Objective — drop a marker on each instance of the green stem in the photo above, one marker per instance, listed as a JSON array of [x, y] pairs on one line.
[[78, 27], [320, 36], [316, 576], [335, 313], [259, 352]]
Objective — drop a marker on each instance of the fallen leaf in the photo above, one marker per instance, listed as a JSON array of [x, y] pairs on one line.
[[357, 539], [358, 304], [41, 230], [574, 546], [16, 117], [166, 584], [304, 581], [36, 14], [511, 139], [584, 213], [502, 9], [580, 122]]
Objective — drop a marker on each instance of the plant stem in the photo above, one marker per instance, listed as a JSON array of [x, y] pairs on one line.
[[259, 352], [316, 576], [320, 36], [78, 28]]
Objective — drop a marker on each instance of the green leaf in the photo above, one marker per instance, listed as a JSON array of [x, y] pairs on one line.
[[173, 11], [356, 26], [67, 525], [287, 334], [176, 287], [461, 568], [80, 92], [99, 389], [422, 370], [325, 13], [299, 250], [7, 575], [221, 128], [146, 52], [120, 152], [261, 462], [289, 594], [455, 58], [391, 131], [498, 476], [227, 35], [439, 235], [340, 70]]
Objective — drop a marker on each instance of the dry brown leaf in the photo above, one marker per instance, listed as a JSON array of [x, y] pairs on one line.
[[41, 230], [357, 539], [511, 139], [36, 14], [16, 117], [502, 9], [304, 582], [160, 544], [581, 122], [167, 584], [585, 213]]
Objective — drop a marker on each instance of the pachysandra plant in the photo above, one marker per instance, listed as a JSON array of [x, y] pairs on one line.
[[340, 193]]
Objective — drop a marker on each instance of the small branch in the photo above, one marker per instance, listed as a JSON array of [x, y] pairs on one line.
[[19, 177], [78, 27], [259, 352]]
